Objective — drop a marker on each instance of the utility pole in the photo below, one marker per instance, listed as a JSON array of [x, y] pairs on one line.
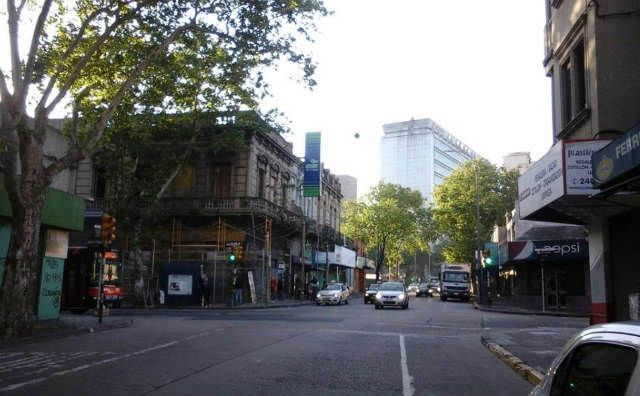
[[267, 272]]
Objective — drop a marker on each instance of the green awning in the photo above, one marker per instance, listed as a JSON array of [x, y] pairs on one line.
[[61, 209]]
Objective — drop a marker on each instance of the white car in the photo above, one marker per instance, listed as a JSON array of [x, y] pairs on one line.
[[392, 294], [599, 360], [335, 293]]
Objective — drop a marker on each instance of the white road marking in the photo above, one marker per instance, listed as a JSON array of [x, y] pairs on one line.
[[98, 363], [384, 333], [407, 380]]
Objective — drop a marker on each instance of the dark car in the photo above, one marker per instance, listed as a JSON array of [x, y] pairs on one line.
[[423, 290], [370, 293]]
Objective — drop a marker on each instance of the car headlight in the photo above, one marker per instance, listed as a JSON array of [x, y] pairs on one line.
[[336, 294], [318, 295], [378, 296], [401, 297]]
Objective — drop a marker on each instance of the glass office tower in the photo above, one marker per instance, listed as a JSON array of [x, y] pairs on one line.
[[419, 154]]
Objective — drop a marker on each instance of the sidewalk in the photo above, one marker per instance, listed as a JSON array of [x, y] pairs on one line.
[[522, 311], [284, 303], [68, 324]]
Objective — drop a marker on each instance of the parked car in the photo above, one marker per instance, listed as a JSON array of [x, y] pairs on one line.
[[412, 288], [334, 293], [370, 293], [423, 290], [392, 294], [599, 360]]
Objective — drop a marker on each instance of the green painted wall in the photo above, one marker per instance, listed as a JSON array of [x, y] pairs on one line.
[[61, 210], [50, 288]]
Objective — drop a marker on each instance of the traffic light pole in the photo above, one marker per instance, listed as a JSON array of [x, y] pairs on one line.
[[99, 302]]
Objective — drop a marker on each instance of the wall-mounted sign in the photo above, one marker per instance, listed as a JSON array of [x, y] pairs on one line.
[[552, 250], [50, 288], [564, 170], [57, 243], [620, 156], [180, 285], [312, 167]]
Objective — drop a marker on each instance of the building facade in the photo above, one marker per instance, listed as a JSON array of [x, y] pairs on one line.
[[420, 154], [592, 56]]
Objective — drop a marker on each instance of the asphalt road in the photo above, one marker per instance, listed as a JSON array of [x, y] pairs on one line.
[[433, 348]]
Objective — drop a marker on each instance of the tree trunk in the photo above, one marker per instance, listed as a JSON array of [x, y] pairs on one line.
[[19, 284]]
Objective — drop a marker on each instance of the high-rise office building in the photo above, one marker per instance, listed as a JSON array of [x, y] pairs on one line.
[[349, 187], [420, 154]]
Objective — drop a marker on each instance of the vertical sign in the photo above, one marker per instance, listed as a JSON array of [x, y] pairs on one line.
[[50, 288], [312, 171]]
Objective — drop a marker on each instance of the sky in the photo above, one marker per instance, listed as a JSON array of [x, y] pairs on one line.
[[473, 67]]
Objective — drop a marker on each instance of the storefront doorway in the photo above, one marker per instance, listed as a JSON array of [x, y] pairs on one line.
[[555, 289]]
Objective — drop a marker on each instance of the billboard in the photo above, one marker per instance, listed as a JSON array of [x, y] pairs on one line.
[[312, 167]]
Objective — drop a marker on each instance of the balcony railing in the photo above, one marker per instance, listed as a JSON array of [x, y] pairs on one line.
[[235, 205]]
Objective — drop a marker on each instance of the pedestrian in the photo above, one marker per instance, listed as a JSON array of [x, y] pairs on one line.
[[274, 287], [237, 289], [204, 291], [298, 285]]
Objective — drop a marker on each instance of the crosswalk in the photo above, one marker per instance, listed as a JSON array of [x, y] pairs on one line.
[[18, 364]]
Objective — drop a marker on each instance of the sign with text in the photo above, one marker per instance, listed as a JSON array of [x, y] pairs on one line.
[[577, 157], [50, 288], [312, 166], [621, 156], [564, 170], [542, 183], [552, 250]]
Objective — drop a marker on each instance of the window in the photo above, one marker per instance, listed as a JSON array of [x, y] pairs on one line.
[[572, 85], [99, 183], [261, 176], [221, 180], [595, 369]]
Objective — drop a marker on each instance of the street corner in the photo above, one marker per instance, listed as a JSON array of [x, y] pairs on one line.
[[527, 372]]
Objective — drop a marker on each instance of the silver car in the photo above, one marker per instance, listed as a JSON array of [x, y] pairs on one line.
[[599, 360], [392, 294], [335, 293]]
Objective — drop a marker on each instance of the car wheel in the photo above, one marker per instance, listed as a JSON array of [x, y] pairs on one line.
[[443, 298], [346, 302], [376, 306], [317, 303]]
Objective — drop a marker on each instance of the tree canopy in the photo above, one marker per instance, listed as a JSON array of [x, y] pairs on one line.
[[455, 200], [391, 219]]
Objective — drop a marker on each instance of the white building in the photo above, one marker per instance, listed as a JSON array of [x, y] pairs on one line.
[[420, 154], [349, 186], [520, 161]]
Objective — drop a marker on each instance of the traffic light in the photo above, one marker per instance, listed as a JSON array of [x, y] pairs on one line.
[[486, 257], [232, 258], [107, 230]]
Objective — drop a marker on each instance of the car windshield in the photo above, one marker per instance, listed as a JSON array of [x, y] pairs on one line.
[[456, 277], [374, 287], [424, 285], [391, 287], [334, 287]]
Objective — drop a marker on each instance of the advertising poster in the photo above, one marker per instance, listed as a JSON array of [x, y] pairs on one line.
[[312, 171], [50, 288], [180, 285]]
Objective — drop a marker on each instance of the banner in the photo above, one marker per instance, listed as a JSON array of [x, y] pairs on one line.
[[312, 169]]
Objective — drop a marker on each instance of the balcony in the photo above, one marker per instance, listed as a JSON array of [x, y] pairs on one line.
[[226, 206]]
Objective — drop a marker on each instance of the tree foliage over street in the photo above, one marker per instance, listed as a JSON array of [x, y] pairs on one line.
[[390, 220], [455, 201], [109, 59]]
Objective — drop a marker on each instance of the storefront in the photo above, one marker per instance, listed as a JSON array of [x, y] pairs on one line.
[[546, 275], [560, 188], [62, 212]]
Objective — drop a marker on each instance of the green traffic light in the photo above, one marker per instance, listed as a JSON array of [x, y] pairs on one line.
[[232, 257], [488, 261]]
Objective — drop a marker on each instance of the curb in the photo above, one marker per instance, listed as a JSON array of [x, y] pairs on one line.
[[540, 313], [120, 311], [16, 341], [527, 372]]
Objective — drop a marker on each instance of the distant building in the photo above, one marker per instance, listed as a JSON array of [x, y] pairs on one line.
[[349, 187], [420, 154], [520, 160]]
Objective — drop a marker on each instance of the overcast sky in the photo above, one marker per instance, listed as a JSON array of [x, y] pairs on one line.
[[474, 67]]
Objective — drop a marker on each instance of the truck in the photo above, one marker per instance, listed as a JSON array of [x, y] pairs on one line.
[[455, 281]]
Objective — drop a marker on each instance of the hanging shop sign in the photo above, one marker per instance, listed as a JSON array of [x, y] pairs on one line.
[[565, 170], [312, 167], [618, 158]]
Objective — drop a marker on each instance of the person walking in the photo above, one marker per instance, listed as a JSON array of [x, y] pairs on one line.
[[204, 291], [237, 289], [274, 287]]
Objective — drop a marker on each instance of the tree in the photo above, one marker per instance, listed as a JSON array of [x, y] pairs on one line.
[[390, 220], [455, 200], [100, 56]]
